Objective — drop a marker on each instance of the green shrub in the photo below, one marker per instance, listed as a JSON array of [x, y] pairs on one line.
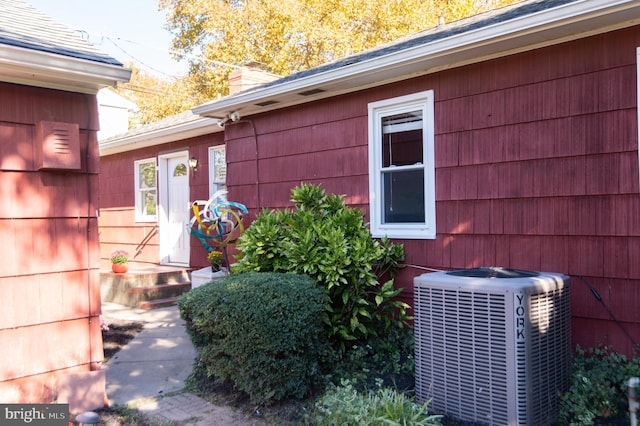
[[599, 386], [330, 242], [389, 358], [262, 332], [345, 406]]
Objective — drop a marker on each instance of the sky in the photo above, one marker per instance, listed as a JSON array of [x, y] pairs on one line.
[[127, 30]]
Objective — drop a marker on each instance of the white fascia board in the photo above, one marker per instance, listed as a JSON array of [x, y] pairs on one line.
[[53, 71], [200, 126], [552, 26]]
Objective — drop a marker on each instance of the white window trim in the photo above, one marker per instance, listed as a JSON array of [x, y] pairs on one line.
[[417, 101], [215, 186], [139, 217]]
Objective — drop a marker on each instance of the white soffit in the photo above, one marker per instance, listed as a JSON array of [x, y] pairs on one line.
[[43, 69]]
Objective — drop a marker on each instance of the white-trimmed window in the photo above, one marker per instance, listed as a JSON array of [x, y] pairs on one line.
[[401, 167], [146, 190], [217, 169]]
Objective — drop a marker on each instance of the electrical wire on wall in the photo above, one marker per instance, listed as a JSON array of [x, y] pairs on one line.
[[424, 268], [595, 293]]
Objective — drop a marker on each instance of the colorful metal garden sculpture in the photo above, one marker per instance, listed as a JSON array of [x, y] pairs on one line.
[[217, 222]]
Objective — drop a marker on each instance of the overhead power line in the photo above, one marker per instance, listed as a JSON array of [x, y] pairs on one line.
[[113, 38], [154, 91]]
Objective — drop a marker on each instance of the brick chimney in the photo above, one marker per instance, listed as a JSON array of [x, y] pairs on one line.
[[249, 74]]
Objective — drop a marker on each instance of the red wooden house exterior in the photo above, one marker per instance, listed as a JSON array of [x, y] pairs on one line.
[[527, 154], [128, 223], [49, 283], [143, 164]]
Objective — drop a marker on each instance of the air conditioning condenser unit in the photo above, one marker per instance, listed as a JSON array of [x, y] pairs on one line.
[[493, 345]]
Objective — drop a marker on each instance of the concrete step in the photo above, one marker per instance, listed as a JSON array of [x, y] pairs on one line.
[[161, 290], [144, 285], [157, 303], [147, 278]]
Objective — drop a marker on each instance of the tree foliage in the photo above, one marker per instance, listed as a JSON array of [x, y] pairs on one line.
[[285, 35], [157, 97], [293, 35]]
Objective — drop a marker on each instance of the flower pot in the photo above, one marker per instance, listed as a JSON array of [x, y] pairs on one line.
[[206, 275], [119, 268], [216, 267]]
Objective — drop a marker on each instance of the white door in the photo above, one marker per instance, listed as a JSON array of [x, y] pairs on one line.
[[174, 232]]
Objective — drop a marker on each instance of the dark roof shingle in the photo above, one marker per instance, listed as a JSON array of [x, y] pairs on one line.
[[21, 25]]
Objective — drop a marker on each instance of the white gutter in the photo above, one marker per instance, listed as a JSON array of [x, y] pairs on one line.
[[54, 71], [546, 27], [143, 139]]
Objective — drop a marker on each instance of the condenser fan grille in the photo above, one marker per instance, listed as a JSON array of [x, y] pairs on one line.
[[461, 356], [549, 355]]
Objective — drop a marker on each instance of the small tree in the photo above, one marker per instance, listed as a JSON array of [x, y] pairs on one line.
[[330, 242]]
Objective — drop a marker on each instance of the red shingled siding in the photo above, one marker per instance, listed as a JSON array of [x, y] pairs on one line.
[[49, 283], [536, 168]]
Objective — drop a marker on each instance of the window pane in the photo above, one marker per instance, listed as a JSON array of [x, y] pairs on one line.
[[219, 166], [147, 173], [180, 170], [149, 203], [403, 196], [402, 139]]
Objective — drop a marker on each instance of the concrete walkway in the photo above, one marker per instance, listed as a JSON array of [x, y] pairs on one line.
[[149, 372]]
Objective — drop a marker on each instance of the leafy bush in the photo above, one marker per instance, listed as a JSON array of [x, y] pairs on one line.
[[345, 406], [388, 358], [260, 331], [330, 242], [599, 386]]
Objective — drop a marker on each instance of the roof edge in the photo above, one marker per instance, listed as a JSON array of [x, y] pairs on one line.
[[555, 25], [53, 71], [123, 143]]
